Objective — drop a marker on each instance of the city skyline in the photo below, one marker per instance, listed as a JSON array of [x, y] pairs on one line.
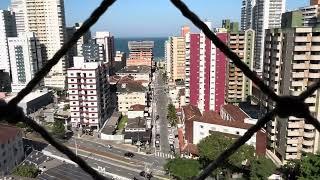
[[160, 25]]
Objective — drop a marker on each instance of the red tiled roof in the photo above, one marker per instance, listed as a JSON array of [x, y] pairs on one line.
[[191, 111], [137, 107], [235, 112], [7, 132], [190, 148]]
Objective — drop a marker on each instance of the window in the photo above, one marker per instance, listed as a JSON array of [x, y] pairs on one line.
[[201, 126], [237, 132], [74, 113]]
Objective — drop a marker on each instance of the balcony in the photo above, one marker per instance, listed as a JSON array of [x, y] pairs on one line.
[[309, 126], [300, 57], [288, 156], [299, 66], [315, 57], [310, 100], [291, 149], [295, 125], [301, 39], [314, 75], [307, 142], [301, 48], [298, 75], [315, 48], [308, 134], [292, 141], [297, 83], [308, 150], [294, 133], [314, 66], [316, 39]]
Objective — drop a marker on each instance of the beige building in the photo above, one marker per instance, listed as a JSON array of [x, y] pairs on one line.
[[239, 87], [46, 18], [130, 93], [176, 54], [11, 148], [291, 64]]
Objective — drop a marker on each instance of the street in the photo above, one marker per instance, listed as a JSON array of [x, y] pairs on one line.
[[160, 101]]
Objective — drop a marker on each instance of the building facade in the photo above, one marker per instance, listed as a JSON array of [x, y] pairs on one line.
[[260, 15], [291, 64], [93, 52], [107, 40], [25, 59], [239, 87], [119, 60], [11, 150], [89, 93], [140, 53], [7, 29], [167, 56], [177, 58], [46, 18], [184, 30], [205, 72]]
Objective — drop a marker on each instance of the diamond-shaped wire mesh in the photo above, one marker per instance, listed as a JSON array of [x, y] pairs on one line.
[[298, 108]]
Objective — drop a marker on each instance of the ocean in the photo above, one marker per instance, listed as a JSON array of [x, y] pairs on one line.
[[121, 44]]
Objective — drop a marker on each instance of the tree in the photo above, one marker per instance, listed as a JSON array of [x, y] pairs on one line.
[[66, 107], [212, 146], [183, 168], [58, 129], [29, 171], [291, 170], [172, 115], [310, 167], [261, 168]]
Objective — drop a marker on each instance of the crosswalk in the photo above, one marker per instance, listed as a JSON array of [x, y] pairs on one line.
[[164, 155]]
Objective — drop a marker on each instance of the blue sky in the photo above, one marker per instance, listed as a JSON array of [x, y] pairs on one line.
[[152, 18]]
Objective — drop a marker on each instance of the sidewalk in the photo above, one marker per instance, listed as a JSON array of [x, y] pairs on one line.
[[105, 142]]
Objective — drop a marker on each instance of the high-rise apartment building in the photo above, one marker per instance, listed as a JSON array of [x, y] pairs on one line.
[[184, 30], [239, 87], [119, 60], [7, 29], [260, 15], [89, 93], [230, 26], [25, 59], [205, 71], [140, 53], [83, 39], [93, 52], [291, 64], [167, 57], [107, 40], [46, 18], [310, 15], [176, 57]]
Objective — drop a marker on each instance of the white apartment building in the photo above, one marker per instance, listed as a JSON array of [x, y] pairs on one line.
[[25, 59], [291, 64], [107, 40], [7, 29], [310, 15], [89, 93], [46, 18], [260, 15], [137, 72], [11, 148]]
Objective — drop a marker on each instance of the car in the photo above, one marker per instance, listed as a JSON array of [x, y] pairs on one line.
[[146, 175], [157, 117], [109, 146], [171, 136], [169, 125], [157, 136], [171, 146], [129, 154]]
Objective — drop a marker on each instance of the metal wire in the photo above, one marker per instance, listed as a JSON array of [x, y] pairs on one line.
[[298, 108]]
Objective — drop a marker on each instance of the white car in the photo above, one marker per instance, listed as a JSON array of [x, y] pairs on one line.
[[169, 125], [171, 136]]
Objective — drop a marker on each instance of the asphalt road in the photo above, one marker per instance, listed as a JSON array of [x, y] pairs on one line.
[[161, 101], [156, 162], [128, 170]]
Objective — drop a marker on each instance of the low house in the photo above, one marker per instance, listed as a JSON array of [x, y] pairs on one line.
[[137, 131], [232, 122]]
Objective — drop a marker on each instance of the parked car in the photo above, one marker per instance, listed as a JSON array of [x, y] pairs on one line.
[[109, 146], [157, 136], [129, 154], [157, 117], [146, 175], [169, 125], [171, 136]]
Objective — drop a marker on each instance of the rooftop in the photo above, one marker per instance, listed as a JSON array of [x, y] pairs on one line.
[[135, 69], [235, 112], [7, 132], [29, 97], [111, 124], [137, 107], [191, 111], [136, 123], [140, 44], [251, 110], [130, 86]]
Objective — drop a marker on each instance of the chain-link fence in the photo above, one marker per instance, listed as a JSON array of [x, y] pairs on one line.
[[298, 108]]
